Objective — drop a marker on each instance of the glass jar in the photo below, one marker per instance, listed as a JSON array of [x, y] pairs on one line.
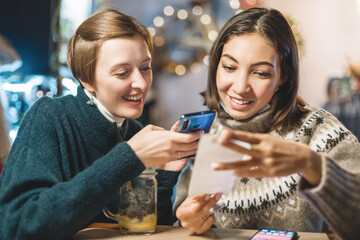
[[137, 207]]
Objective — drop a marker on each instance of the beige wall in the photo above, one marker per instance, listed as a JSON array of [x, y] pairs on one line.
[[331, 31]]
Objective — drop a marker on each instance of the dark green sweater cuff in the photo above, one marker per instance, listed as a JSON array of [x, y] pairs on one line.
[[167, 179]]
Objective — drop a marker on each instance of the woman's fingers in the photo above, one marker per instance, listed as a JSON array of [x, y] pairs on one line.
[[205, 212], [238, 141], [250, 169], [245, 164], [181, 155], [193, 212], [204, 224], [241, 147], [191, 209], [186, 146], [186, 137], [204, 219], [175, 126], [227, 134]]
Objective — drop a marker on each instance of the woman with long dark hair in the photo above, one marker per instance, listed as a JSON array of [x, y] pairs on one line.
[[303, 164]]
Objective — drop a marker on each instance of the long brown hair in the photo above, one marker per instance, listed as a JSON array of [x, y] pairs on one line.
[[289, 107], [101, 26]]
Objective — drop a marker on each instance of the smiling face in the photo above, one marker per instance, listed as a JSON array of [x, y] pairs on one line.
[[248, 74], [123, 76]]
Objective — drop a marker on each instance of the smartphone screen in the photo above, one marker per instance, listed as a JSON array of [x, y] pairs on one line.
[[270, 234], [192, 122]]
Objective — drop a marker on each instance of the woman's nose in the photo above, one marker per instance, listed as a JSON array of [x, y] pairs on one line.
[[138, 80], [241, 84]]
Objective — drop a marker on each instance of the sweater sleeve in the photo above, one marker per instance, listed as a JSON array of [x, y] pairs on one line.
[[182, 189], [37, 200], [337, 196], [166, 182]]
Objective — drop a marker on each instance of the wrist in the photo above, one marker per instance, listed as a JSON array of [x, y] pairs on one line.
[[313, 167]]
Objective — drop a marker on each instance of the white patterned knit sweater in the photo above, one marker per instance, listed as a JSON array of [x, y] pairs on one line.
[[288, 203]]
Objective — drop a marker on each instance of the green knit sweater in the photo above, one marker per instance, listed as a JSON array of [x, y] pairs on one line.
[[65, 165]]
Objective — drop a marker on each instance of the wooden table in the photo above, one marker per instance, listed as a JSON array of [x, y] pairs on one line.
[[110, 231]]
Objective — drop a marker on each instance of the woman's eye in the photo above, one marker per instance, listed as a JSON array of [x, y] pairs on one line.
[[144, 69], [228, 68], [263, 74], [121, 74]]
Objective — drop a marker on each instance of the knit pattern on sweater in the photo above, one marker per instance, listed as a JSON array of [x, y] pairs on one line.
[[268, 202], [275, 202]]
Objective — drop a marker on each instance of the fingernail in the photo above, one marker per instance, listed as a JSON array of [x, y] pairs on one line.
[[207, 197], [217, 207], [218, 196], [215, 165]]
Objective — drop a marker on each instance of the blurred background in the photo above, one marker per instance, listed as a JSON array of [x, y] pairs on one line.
[[34, 37]]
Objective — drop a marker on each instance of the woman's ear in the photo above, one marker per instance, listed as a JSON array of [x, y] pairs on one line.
[[87, 86]]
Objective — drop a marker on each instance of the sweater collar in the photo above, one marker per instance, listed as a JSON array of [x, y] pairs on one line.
[[98, 129], [112, 118], [259, 123]]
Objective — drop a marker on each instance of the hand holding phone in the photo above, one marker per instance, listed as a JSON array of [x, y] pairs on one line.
[[192, 122], [267, 234]]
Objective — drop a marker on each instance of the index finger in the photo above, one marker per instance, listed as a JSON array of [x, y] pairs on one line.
[[226, 140], [204, 203], [233, 165], [175, 126], [186, 137], [227, 134]]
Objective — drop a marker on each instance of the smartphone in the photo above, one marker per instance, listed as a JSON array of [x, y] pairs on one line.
[[192, 122], [267, 234]]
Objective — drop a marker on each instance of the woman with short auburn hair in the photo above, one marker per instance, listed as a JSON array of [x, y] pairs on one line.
[[103, 25], [73, 153]]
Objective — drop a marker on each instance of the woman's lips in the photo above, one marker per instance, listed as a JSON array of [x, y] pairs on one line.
[[238, 101], [133, 98]]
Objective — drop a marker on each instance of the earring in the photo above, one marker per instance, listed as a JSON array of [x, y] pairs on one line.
[[276, 89], [91, 101]]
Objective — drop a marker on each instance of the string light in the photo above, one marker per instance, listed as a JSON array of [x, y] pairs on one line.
[[180, 69], [169, 10], [234, 4], [152, 31], [212, 35], [197, 10], [158, 21], [205, 19], [159, 41], [208, 32], [182, 14], [195, 67], [206, 59]]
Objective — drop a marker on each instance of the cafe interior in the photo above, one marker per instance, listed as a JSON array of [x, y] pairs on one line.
[[34, 37]]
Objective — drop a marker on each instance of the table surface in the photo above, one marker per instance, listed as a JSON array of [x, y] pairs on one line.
[[110, 231]]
